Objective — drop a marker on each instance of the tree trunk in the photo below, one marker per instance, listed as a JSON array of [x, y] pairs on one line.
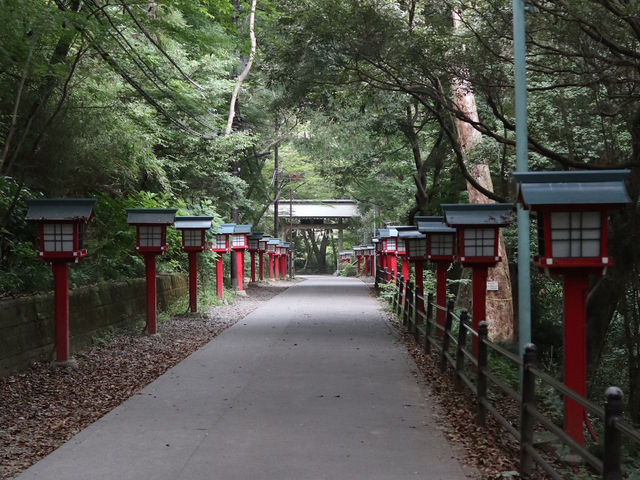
[[245, 72], [319, 251], [500, 302], [434, 161], [324, 243], [276, 183]]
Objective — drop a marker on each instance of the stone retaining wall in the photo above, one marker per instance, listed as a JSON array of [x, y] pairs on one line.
[[27, 323]]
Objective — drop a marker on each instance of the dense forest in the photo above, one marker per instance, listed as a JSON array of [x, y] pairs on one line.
[[220, 107]]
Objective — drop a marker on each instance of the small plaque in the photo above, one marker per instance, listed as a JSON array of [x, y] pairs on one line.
[[492, 286]]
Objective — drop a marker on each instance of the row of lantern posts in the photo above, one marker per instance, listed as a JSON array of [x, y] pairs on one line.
[[62, 225], [572, 211], [363, 254], [572, 208]]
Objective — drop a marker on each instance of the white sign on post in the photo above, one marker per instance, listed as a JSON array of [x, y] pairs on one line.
[[492, 286]]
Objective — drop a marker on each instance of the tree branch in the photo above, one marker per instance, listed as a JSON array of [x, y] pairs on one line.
[[245, 72], [157, 45]]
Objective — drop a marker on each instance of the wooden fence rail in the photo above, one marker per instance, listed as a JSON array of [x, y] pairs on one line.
[[450, 341]]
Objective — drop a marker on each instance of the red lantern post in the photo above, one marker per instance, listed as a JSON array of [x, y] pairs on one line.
[[151, 241], [345, 257], [416, 253], [368, 253], [358, 252], [441, 248], [286, 257], [572, 213], [389, 239], [401, 250], [254, 247], [272, 245], [193, 242], [262, 248], [62, 225], [281, 258], [278, 259], [220, 246], [478, 233], [239, 243]]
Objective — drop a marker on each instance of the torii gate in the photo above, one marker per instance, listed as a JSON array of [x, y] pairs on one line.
[[316, 215]]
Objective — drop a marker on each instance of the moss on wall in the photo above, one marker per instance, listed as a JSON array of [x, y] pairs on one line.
[[27, 323]]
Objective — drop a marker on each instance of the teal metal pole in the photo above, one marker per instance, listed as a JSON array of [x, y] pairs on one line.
[[524, 245]]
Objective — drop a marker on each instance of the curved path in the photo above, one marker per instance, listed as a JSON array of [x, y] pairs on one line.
[[311, 385]]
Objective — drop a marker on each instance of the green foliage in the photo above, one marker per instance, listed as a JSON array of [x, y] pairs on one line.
[[388, 290], [349, 270], [106, 336], [504, 368]]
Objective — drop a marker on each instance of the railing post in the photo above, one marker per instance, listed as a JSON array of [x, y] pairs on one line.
[[400, 286], [405, 304], [403, 300], [462, 338], [427, 323], [418, 304], [529, 359], [414, 318], [483, 334], [396, 280], [612, 437], [445, 336]]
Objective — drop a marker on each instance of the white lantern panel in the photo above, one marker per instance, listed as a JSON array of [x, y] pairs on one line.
[[58, 237], [271, 248], [391, 244], [442, 244], [576, 234], [150, 236], [238, 240], [418, 247], [479, 242], [192, 238], [253, 244], [402, 246], [221, 242]]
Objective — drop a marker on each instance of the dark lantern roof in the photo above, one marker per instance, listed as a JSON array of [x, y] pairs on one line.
[[151, 216], [193, 223], [78, 209], [604, 187], [243, 229], [490, 214], [387, 232], [408, 234], [433, 225], [224, 229]]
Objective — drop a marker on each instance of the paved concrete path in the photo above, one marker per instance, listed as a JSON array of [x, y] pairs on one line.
[[311, 385]]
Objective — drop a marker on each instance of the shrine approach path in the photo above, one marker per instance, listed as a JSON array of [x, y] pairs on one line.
[[314, 384]]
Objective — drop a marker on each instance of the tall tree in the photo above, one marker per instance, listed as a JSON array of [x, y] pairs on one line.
[[499, 304]]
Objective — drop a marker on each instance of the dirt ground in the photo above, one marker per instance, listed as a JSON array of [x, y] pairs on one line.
[[43, 407]]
